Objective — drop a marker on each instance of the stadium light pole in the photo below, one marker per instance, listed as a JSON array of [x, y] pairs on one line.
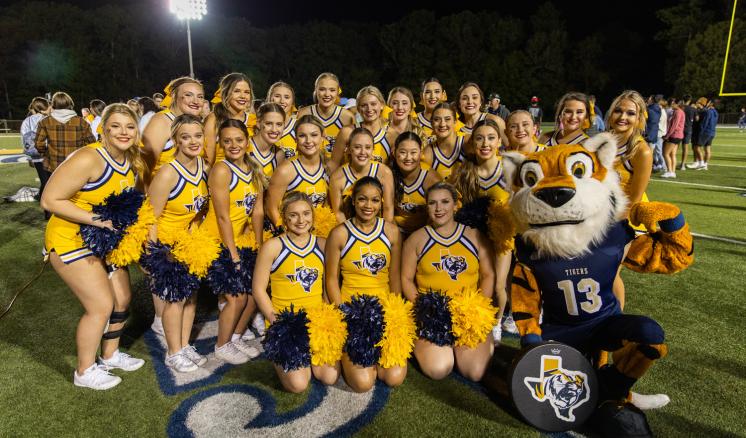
[[189, 10]]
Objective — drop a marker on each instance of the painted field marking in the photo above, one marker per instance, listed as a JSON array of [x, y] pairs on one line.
[[740, 189], [719, 239]]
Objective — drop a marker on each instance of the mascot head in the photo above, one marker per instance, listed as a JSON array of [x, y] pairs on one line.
[[566, 197]]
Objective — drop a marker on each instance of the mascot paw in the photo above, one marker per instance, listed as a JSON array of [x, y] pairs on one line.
[[647, 402], [654, 215]]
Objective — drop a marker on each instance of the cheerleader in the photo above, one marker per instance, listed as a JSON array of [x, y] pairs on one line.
[[520, 131], [411, 182], [284, 95], [263, 147], [235, 185], [369, 103], [445, 149], [282, 264], [232, 101], [178, 193], [432, 94], [326, 108], [401, 117], [445, 257], [363, 256], [306, 173], [470, 99], [184, 95], [85, 179], [360, 164], [571, 120]]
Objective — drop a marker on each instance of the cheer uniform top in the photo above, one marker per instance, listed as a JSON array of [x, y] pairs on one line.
[[168, 151], [185, 200], [381, 147], [297, 275], [553, 139], [288, 141], [495, 186], [332, 126], [249, 122], [315, 185], [425, 124], [465, 130], [444, 164], [448, 264], [268, 162], [242, 196], [364, 262], [63, 236], [351, 178], [623, 166], [411, 211]]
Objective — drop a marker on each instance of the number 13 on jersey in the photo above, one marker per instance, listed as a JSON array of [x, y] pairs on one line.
[[587, 286]]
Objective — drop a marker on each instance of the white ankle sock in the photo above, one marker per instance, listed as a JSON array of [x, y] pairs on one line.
[[235, 337]]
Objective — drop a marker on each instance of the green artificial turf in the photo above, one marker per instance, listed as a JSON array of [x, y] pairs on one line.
[[701, 310]]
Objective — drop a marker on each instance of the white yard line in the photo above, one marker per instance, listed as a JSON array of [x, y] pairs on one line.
[[719, 239], [740, 189]]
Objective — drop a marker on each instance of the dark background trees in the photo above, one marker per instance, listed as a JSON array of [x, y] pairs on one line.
[[118, 51]]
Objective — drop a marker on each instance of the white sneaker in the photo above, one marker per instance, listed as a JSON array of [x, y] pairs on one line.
[[231, 354], [682, 167], [666, 175], [646, 402], [180, 363], [509, 325], [96, 377], [191, 353], [157, 327], [123, 361], [258, 324], [497, 334], [694, 165], [702, 167], [248, 349], [248, 335]]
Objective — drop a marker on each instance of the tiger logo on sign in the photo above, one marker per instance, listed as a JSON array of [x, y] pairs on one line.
[[564, 389]]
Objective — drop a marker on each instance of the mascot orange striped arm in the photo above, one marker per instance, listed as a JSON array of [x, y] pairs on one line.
[[569, 211]]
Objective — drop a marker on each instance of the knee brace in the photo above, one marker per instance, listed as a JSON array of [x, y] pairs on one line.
[[115, 318]]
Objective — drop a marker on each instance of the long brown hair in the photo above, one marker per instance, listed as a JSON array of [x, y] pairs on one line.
[[132, 154], [465, 176], [260, 180], [227, 85]]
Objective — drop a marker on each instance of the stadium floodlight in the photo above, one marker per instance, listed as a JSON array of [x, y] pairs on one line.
[[189, 10]]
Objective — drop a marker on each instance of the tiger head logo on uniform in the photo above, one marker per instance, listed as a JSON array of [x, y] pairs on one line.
[[565, 390], [372, 262], [453, 265], [305, 276], [247, 202]]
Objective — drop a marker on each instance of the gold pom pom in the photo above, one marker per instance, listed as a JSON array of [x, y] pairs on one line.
[[247, 240], [501, 227], [472, 316], [399, 333], [131, 246], [197, 250], [327, 333], [324, 221]]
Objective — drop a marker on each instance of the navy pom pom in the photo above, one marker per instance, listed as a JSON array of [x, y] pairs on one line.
[[433, 317], [119, 208], [223, 277], [169, 280], [474, 214], [364, 318], [287, 343]]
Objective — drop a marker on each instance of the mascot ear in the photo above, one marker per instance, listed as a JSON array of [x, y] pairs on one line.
[[511, 163], [604, 145]]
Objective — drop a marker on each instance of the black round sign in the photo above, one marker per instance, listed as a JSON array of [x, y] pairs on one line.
[[553, 387]]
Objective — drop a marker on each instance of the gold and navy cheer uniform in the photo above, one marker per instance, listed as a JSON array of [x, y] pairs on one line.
[[242, 197], [63, 236], [332, 126], [381, 147], [268, 162], [624, 168], [315, 185], [495, 186], [288, 140], [297, 275], [351, 178], [447, 264], [411, 212], [219, 151], [364, 262], [444, 165], [465, 130], [553, 139], [168, 151], [425, 124], [185, 200]]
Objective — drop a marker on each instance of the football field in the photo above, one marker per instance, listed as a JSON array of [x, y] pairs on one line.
[[702, 310]]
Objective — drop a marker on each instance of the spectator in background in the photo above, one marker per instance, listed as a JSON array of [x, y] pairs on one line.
[[157, 99], [535, 110], [147, 109], [86, 113], [597, 122], [60, 134], [742, 120], [37, 110], [97, 107], [708, 124], [495, 108], [690, 113], [673, 138], [662, 128], [652, 135], [132, 103]]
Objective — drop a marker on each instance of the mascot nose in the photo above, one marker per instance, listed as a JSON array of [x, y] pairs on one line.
[[556, 196]]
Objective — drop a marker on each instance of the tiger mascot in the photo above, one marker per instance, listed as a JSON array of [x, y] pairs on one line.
[[570, 214]]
